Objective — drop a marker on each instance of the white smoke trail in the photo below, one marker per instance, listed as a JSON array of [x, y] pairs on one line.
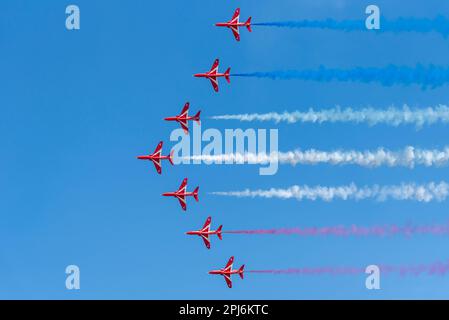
[[422, 193], [391, 116], [408, 157]]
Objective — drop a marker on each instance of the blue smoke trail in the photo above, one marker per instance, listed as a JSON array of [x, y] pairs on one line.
[[345, 25], [425, 76], [439, 24]]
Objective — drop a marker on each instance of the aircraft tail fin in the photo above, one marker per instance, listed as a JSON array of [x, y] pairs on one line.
[[195, 193], [227, 74], [170, 157], [197, 117], [248, 24], [241, 271], [219, 234]]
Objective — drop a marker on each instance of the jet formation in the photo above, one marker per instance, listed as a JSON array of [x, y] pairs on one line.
[[234, 24], [183, 119]]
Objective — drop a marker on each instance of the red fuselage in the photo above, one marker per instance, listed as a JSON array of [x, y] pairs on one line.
[[224, 272], [210, 75], [153, 157], [178, 194], [178, 118], [231, 24], [202, 233]]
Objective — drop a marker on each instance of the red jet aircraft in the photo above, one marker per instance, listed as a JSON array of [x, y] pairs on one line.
[[205, 232], [213, 75], [183, 117], [234, 24], [156, 157], [227, 272], [182, 193]]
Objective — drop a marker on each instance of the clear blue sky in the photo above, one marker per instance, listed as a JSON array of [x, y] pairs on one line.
[[77, 107]]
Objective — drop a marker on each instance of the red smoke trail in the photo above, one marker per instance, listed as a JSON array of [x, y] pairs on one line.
[[435, 269], [354, 230]]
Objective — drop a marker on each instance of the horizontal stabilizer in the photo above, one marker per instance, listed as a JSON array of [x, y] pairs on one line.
[[227, 73], [219, 234], [195, 193], [248, 24], [241, 271]]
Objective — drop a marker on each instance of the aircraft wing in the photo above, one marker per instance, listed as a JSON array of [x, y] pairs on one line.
[[182, 202], [184, 126], [158, 149], [235, 32], [228, 280], [157, 165], [206, 241], [214, 68], [207, 224], [214, 82], [185, 110], [236, 16], [182, 187], [229, 264]]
